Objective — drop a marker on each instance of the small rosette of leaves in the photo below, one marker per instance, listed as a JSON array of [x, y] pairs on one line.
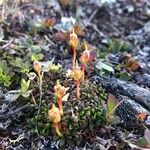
[[4, 78]]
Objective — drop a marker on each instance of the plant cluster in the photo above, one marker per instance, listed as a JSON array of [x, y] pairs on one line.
[[76, 110], [17, 58], [73, 111], [76, 73]]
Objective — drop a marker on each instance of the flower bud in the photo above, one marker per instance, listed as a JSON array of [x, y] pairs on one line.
[[54, 114], [59, 90], [73, 39], [37, 67], [85, 55], [77, 73]]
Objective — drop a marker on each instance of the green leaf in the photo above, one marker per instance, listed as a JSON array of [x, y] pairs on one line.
[[111, 103], [21, 64], [37, 57], [25, 42], [25, 69], [36, 49], [102, 66], [1, 71], [4, 78], [55, 68], [25, 85], [49, 66], [26, 94], [7, 81], [4, 66], [18, 62]]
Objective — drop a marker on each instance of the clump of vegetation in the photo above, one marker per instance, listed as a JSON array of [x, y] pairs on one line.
[[72, 113], [81, 118], [17, 61]]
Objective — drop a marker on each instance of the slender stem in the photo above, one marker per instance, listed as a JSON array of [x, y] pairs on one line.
[[40, 99], [74, 57], [60, 106], [83, 72], [78, 89], [57, 129], [33, 99]]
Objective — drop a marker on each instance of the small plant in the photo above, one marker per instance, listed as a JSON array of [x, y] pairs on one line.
[[85, 57], [73, 44], [38, 69], [60, 91], [55, 117], [24, 88], [5, 74], [111, 107], [77, 75], [4, 78]]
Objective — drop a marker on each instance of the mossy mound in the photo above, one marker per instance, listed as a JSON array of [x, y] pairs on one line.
[[81, 118]]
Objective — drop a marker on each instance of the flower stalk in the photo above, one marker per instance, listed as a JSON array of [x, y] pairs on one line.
[[56, 126], [60, 106], [74, 57], [83, 72]]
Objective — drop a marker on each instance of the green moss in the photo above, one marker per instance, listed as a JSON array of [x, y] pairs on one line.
[[81, 117]]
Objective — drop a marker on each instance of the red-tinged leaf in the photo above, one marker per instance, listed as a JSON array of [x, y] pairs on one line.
[[50, 22], [62, 36]]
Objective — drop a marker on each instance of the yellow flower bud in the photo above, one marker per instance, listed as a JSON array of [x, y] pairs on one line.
[[59, 90], [85, 55], [54, 114], [37, 67], [73, 39], [77, 73], [55, 117]]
